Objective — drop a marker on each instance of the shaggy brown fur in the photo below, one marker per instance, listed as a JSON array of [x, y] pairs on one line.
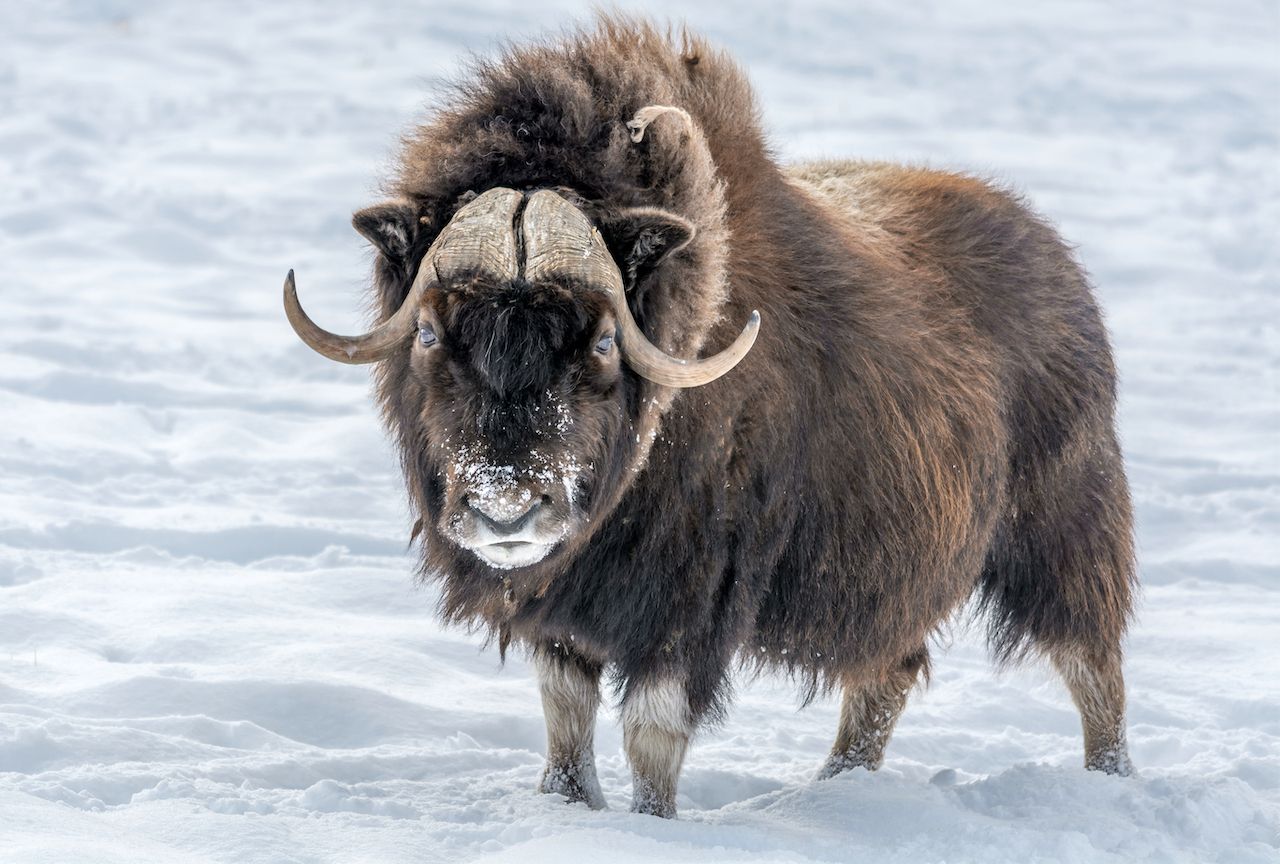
[[928, 411]]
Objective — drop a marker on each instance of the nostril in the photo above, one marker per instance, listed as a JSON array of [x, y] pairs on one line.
[[502, 518]]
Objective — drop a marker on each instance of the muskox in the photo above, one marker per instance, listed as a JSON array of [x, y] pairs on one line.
[[907, 402]]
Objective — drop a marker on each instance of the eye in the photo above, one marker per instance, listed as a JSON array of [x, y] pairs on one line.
[[426, 336], [604, 343]]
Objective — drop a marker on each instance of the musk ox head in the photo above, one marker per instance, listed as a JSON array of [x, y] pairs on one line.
[[512, 353]]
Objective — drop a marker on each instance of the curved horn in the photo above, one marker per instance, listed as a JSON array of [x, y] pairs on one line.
[[479, 238], [559, 241], [646, 115]]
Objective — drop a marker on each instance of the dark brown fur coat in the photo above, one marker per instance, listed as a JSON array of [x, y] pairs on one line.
[[928, 411]]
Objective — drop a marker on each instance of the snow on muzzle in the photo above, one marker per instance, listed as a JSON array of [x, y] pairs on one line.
[[511, 515]]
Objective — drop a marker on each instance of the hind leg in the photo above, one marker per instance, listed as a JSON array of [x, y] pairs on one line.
[[1080, 632], [1059, 583], [868, 712], [1097, 688]]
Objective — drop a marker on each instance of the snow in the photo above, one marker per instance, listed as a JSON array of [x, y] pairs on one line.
[[211, 648]]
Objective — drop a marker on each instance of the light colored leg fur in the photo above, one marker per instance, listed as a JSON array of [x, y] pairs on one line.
[[1097, 687], [570, 696], [656, 725], [868, 713]]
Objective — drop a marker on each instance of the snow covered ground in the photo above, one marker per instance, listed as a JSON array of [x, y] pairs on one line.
[[210, 645]]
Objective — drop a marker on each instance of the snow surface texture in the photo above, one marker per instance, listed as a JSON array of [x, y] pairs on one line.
[[210, 645]]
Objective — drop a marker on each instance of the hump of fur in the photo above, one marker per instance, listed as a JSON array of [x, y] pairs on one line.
[[554, 113]]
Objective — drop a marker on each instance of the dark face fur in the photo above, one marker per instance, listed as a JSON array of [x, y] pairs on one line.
[[517, 393], [514, 367]]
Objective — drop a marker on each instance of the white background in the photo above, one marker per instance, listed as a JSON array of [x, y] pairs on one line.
[[211, 648]]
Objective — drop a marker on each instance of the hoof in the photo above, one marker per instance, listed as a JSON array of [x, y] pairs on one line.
[[1115, 762], [576, 784], [663, 810], [649, 802], [842, 762]]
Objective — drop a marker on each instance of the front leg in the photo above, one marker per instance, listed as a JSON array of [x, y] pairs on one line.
[[570, 686], [656, 725]]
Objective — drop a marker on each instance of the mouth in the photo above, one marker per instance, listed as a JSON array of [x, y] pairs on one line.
[[510, 554]]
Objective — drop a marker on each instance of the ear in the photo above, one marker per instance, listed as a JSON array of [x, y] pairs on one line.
[[640, 238], [391, 227]]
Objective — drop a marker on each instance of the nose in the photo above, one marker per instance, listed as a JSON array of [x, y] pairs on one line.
[[505, 518]]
